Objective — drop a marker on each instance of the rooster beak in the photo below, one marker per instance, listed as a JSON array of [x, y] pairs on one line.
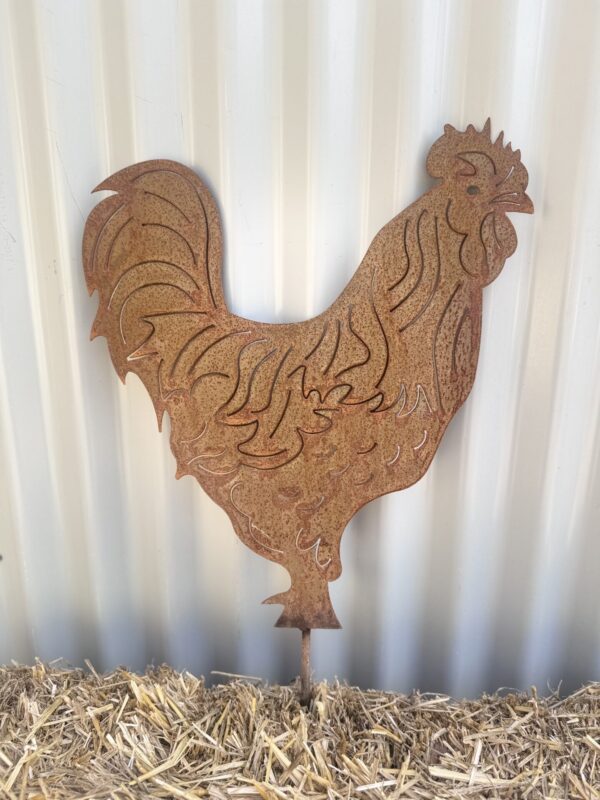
[[514, 201], [525, 204]]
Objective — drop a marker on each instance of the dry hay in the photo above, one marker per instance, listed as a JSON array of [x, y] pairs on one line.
[[67, 733]]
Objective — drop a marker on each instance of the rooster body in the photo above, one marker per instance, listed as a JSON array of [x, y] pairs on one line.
[[292, 428]]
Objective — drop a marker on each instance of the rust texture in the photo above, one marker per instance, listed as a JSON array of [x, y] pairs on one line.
[[292, 428]]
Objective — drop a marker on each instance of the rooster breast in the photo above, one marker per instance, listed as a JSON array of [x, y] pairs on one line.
[[322, 416]]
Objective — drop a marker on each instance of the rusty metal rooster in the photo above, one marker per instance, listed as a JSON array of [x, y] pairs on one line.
[[292, 428]]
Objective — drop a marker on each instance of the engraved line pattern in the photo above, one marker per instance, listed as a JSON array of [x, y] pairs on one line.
[[202, 208]]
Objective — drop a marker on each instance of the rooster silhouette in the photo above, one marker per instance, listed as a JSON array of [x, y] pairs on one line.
[[291, 428]]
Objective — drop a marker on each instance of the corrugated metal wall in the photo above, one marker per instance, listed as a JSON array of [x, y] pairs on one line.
[[311, 121]]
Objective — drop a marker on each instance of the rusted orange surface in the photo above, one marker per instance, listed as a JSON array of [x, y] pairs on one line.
[[292, 428]]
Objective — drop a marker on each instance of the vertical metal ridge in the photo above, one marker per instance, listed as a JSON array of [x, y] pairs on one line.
[[15, 635], [338, 46], [496, 393], [141, 449], [364, 67], [533, 432], [384, 89], [486, 471], [580, 655], [68, 74], [40, 228], [56, 53], [294, 144], [16, 597], [576, 374], [277, 49]]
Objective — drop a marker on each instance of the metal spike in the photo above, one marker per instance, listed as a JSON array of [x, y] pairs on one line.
[[500, 139], [487, 128]]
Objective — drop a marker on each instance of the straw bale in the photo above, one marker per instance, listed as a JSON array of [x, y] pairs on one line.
[[68, 733]]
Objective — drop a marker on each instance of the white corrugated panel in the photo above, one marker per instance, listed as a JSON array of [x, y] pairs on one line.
[[311, 122]]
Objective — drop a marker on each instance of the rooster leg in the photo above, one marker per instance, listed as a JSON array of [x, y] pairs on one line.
[[306, 604]]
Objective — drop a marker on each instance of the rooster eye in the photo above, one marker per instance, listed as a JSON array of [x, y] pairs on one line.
[[472, 189]]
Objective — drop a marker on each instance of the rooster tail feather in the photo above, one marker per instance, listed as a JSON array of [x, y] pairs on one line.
[[153, 251]]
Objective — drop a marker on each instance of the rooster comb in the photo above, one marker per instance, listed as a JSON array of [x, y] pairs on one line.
[[454, 148]]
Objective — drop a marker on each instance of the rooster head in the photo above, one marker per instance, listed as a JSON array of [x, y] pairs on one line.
[[484, 179]]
